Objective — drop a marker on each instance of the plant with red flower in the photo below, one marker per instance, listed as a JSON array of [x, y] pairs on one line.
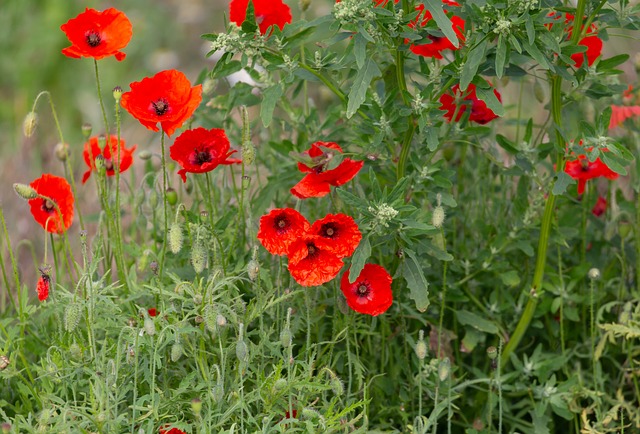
[[53, 208], [201, 150], [600, 207], [382, 3], [341, 231], [280, 228], [44, 282], [166, 98], [370, 293], [97, 34], [268, 13], [479, 112], [582, 170], [312, 260], [167, 430], [152, 311], [438, 43], [591, 41], [620, 113], [318, 180], [110, 151]]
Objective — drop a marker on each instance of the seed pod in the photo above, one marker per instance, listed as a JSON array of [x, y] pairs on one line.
[[145, 155], [29, 124], [492, 352], [61, 151], [117, 93], [248, 153], [149, 326], [172, 196], [86, 130], [72, 317], [176, 351]]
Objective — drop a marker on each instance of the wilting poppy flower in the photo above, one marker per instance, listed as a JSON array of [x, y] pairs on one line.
[[438, 43], [341, 231], [165, 430], [600, 207], [280, 228], [583, 170], [58, 191], [201, 150], [480, 113], [371, 291], [110, 153], [97, 34], [318, 180], [312, 260], [167, 98], [44, 282], [268, 13]]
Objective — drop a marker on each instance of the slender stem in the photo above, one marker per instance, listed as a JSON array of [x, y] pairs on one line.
[[104, 112], [165, 206], [14, 266]]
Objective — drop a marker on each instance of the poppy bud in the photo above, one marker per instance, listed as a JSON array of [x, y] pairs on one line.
[[25, 191], [117, 93], [337, 386], [153, 195], [624, 229], [175, 238], [279, 385], [172, 196], [437, 218], [145, 155], [221, 321], [61, 151], [197, 299], [253, 269], [29, 124], [149, 326], [196, 405], [75, 351], [209, 315], [248, 153], [176, 351], [421, 346], [444, 368], [594, 274], [217, 392], [492, 352], [242, 351], [199, 256], [72, 317], [4, 362], [285, 337], [310, 413]]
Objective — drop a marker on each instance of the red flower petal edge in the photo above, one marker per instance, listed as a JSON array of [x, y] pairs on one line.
[[480, 113], [341, 231], [312, 260], [370, 293], [109, 151], [280, 228], [97, 34], [268, 13], [44, 211]]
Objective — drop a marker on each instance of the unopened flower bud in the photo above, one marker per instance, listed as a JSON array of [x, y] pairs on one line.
[[6, 428], [4, 362], [337, 386], [72, 317], [86, 130], [153, 196], [444, 368], [285, 337], [624, 229], [310, 414], [248, 153], [437, 218], [242, 351], [199, 256], [176, 351], [117, 93], [149, 326], [29, 124], [221, 321], [175, 238], [421, 346], [253, 269], [217, 392], [196, 405], [172, 196], [25, 191], [145, 155], [61, 151], [209, 315], [279, 385], [594, 274], [75, 351]]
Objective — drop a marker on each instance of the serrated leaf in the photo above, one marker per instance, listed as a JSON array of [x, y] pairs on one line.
[[443, 22], [359, 258], [270, 98], [360, 86], [470, 68], [417, 283], [563, 180], [471, 319]]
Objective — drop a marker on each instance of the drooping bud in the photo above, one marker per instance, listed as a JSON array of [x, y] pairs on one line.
[[242, 351], [149, 326], [285, 337], [153, 196], [444, 368], [175, 238], [594, 274], [310, 414], [253, 269], [25, 191], [539, 92], [29, 124], [61, 151], [421, 346], [437, 218], [209, 315], [117, 93], [176, 351], [72, 317], [145, 155], [199, 256]]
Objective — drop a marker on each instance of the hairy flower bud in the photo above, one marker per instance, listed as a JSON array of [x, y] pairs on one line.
[[285, 337], [199, 256], [209, 315], [29, 124], [437, 218], [594, 274], [25, 191], [242, 351], [175, 238], [253, 269], [149, 326], [75, 351], [421, 346], [444, 368], [279, 385], [176, 351], [72, 317], [248, 153], [145, 155], [61, 151], [221, 321]]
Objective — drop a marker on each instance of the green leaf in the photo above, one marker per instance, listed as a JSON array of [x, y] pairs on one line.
[[510, 278], [443, 22], [359, 258], [501, 56], [563, 180], [360, 86], [490, 98], [468, 318], [360, 49], [614, 163], [417, 283], [269, 99], [537, 55], [604, 120], [612, 62], [352, 200], [249, 24], [531, 31], [470, 68]]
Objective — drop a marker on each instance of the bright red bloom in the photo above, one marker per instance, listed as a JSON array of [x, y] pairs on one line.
[[438, 43], [619, 114], [268, 13], [600, 207], [312, 260], [110, 153], [371, 291], [583, 170], [44, 211], [591, 41], [167, 97], [152, 311], [201, 150], [42, 288], [97, 34], [341, 231], [318, 180], [280, 228], [480, 113], [165, 430]]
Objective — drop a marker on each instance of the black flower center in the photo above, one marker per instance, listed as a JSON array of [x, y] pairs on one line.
[[93, 38], [363, 290], [312, 250], [281, 224], [160, 106], [435, 39], [48, 206], [584, 165], [329, 230], [201, 157]]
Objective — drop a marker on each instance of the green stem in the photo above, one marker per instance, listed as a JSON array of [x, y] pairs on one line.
[[104, 112], [165, 206]]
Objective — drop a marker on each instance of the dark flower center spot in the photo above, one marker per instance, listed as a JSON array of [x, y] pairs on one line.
[[312, 251], [201, 157], [435, 39], [108, 164], [363, 290], [281, 224], [93, 38], [160, 106], [584, 165], [329, 230], [48, 206]]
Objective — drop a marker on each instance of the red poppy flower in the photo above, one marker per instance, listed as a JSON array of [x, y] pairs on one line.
[[583, 170], [97, 34], [92, 149], [600, 207], [152, 311], [318, 180], [371, 291], [201, 150], [167, 97], [312, 260], [591, 41], [341, 231], [42, 288], [619, 114], [268, 13], [165, 430], [480, 113], [58, 190], [280, 228], [438, 43]]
